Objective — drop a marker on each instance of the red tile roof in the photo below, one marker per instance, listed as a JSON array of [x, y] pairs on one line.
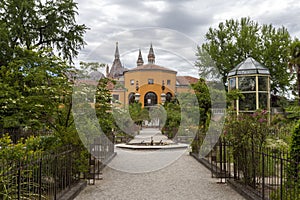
[[186, 80], [151, 67]]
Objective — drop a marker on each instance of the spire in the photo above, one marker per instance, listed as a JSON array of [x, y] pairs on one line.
[[117, 55], [107, 71], [117, 69], [151, 56], [140, 60]]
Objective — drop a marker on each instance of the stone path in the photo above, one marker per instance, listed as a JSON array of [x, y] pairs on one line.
[[183, 179]]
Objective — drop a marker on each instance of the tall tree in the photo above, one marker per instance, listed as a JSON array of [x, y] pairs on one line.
[[295, 63], [37, 24], [234, 40], [33, 85]]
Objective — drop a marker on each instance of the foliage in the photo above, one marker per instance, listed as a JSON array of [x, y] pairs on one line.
[[247, 133], [36, 24], [192, 110], [25, 167], [94, 96], [204, 101], [137, 113], [294, 63], [293, 113], [10, 156], [173, 120], [234, 95], [291, 185], [103, 106], [294, 170], [234, 40], [34, 91]]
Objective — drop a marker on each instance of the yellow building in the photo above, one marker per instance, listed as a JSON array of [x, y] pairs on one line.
[[150, 84]]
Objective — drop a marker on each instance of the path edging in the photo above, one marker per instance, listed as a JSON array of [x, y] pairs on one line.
[[246, 192], [74, 191]]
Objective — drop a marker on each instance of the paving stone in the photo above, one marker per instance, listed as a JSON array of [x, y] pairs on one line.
[[184, 179]]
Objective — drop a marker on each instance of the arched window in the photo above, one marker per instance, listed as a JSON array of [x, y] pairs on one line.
[[150, 99], [131, 98], [169, 97]]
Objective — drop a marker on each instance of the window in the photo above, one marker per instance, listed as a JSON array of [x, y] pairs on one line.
[[249, 103], [132, 82], [168, 82], [247, 83], [232, 83], [263, 83], [115, 97], [150, 81]]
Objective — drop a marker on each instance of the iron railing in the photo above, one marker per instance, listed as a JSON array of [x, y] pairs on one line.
[[267, 173], [39, 176]]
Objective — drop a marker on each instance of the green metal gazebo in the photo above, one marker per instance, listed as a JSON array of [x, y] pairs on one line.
[[252, 79]]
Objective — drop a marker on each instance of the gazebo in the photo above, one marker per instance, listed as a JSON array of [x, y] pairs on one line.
[[252, 79]]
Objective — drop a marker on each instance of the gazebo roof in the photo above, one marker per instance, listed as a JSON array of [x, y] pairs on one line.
[[249, 66]]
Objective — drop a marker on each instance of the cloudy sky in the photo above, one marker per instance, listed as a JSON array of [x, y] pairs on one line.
[[174, 27]]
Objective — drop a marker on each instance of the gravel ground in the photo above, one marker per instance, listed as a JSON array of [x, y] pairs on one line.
[[184, 179]]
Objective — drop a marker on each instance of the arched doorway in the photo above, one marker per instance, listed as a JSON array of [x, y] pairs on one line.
[[131, 98], [150, 99], [169, 97]]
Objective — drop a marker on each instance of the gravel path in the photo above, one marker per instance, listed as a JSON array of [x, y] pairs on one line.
[[184, 179]]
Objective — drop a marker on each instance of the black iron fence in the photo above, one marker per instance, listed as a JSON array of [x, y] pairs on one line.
[[261, 173], [39, 176], [101, 152]]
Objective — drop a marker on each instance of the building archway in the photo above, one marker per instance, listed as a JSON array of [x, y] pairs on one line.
[[131, 98], [150, 99], [169, 97]]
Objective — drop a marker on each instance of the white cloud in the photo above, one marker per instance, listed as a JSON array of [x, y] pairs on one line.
[[123, 21]]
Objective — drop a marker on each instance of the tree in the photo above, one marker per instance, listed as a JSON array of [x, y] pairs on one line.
[[233, 41], [173, 120], [33, 85], [294, 63], [37, 24], [137, 113], [294, 168]]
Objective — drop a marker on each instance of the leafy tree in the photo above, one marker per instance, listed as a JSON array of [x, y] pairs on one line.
[[247, 133], [137, 113], [294, 168], [103, 106], [295, 63], [34, 85], [189, 111], [234, 40], [91, 97], [37, 24]]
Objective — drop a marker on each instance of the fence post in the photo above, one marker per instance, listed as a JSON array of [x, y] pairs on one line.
[[19, 181], [281, 176], [220, 158], [55, 175], [40, 178], [224, 161], [263, 175]]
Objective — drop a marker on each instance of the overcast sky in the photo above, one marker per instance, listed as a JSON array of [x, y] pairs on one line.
[[174, 27]]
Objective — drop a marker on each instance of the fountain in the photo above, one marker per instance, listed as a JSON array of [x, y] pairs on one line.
[[151, 138]]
